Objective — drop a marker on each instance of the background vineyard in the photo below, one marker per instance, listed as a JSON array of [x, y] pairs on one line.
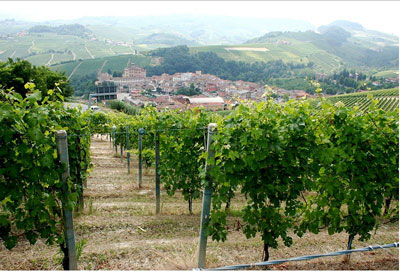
[[388, 99]]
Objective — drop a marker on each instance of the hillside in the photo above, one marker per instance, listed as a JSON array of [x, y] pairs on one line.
[[46, 48], [339, 45], [47, 43], [204, 29], [165, 39], [90, 66], [388, 99], [331, 48]]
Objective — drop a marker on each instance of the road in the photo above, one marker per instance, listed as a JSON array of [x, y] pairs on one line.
[[76, 105]]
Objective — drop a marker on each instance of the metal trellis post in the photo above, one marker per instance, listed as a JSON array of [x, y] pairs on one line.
[[62, 148], [128, 154], [157, 155], [141, 132], [205, 212]]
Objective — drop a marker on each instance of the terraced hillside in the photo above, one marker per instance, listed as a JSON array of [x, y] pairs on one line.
[[290, 50], [333, 48], [39, 49], [388, 99], [89, 66]]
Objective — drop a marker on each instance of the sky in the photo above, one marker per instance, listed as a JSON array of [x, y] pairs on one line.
[[376, 15]]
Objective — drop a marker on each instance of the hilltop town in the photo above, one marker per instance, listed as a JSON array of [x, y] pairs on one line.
[[182, 90]]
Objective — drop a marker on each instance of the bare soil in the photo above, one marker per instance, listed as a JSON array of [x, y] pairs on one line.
[[122, 232]]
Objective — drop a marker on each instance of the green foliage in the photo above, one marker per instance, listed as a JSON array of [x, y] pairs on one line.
[[346, 159], [180, 152], [98, 122], [14, 74], [123, 107], [358, 168], [84, 84], [148, 157], [263, 150], [30, 187], [189, 92]]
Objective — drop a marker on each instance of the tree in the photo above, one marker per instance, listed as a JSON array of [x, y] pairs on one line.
[[14, 74]]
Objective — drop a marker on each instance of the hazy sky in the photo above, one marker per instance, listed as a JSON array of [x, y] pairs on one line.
[[377, 15]]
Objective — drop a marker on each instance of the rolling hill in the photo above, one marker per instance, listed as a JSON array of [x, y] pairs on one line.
[[341, 44], [331, 48]]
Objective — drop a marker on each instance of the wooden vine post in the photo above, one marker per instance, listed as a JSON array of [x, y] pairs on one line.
[[70, 259], [157, 157], [205, 212]]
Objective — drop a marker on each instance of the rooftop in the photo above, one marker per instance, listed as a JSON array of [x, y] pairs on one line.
[[205, 100]]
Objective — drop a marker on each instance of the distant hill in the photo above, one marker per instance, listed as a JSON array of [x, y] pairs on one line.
[[12, 26], [204, 29], [347, 25], [341, 44], [74, 30], [166, 39], [350, 47]]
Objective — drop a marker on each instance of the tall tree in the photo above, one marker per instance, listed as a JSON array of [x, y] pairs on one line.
[[14, 74]]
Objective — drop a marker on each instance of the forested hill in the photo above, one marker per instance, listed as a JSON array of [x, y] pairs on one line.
[[167, 39], [179, 59], [74, 29]]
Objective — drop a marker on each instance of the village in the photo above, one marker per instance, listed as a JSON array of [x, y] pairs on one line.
[[183, 90]]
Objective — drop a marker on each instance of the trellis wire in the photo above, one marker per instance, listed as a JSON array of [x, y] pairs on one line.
[[92, 134], [168, 129], [303, 258], [119, 132]]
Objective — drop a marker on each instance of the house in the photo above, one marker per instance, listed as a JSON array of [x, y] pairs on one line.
[[213, 103], [105, 93]]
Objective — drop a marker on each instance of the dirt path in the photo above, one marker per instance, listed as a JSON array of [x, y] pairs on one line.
[[90, 54], [102, 66], [76, 68], [74, 55], [50, 60], [12, 55], [122, 232], [112, 51], [30, 48]]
